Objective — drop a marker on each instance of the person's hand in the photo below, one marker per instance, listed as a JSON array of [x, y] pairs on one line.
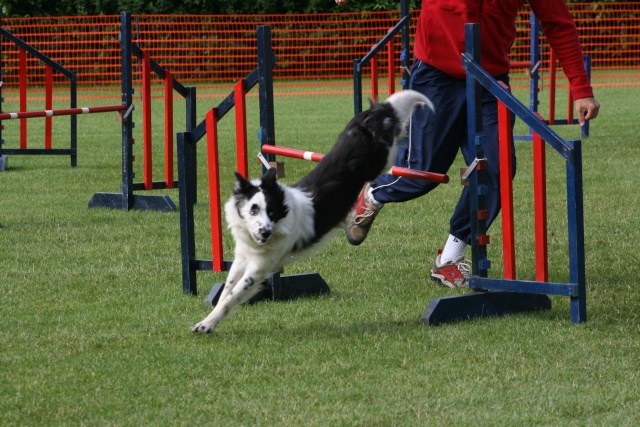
[[587, 109], [341, 2]]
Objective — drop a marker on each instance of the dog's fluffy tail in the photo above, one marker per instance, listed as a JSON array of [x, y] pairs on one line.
[[403, 103]]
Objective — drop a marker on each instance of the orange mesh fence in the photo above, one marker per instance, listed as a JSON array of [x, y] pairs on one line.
[[315, 53]]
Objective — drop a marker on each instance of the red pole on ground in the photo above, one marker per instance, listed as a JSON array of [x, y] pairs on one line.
[[552, 88], [48, 104], [374, 78], [214, 190], [146, 122], [540, 207], [506, 191], [242, 159], [23, 96], [390, 66], [168, 129]]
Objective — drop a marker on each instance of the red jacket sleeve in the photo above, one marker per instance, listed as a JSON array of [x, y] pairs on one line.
[[559, 28]]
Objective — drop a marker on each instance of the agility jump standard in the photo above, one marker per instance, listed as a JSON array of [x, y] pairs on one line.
[[127, 199], [23, 150], [510, 295], [50, 66], [316, 157]]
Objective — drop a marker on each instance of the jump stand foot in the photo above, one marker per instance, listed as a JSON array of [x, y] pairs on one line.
[[280, 288], [3, 163], [141, 203], [482, 304]]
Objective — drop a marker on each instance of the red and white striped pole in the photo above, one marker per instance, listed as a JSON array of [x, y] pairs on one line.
[[62, 112], [316, 157]]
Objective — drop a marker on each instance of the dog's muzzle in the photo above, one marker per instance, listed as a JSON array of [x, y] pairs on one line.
[[263, 236]]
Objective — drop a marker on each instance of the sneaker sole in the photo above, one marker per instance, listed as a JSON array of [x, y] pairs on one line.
[[350, 239], [439, 278], [354, 242]]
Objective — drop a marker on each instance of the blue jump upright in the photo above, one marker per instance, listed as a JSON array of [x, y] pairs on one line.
[[490, 296]]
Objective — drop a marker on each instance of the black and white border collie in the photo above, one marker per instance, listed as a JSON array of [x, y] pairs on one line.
[[274, 225]]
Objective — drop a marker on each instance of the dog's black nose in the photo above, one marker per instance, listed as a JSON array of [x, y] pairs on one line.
[[265, 233]]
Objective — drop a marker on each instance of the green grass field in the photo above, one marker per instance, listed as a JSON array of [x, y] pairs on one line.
[[94, 327]]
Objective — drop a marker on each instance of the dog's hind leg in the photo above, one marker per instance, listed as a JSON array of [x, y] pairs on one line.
[[247, 287]]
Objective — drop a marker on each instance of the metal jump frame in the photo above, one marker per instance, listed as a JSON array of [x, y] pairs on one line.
[[509, 295], [23, 49], [127, 199]]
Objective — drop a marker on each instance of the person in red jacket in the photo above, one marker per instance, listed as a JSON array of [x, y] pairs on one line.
[[435, 138]]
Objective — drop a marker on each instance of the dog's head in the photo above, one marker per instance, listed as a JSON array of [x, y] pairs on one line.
[[260, 205]]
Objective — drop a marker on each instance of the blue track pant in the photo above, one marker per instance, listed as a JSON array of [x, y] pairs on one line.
[[433, 143]]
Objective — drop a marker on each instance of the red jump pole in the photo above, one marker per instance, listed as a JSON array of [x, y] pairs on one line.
[[214, 191], [390, 65], [374, 78], [168, 129], [48, 104], [292, 152], [552, 88], [316, 157], [415, 174], [146, 122], [242, 159], [506, 191], [23, 96], [540, 207]]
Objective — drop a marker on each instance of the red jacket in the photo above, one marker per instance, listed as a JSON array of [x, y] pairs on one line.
[[440, 36]]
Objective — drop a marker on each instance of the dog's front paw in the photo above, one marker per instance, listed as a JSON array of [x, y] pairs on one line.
[[203, 328]]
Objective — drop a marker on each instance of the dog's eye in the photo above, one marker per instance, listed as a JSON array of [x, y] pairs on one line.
[[254, 210], [271, 215]]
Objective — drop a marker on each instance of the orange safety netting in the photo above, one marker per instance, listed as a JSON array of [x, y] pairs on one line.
[[314, 53]]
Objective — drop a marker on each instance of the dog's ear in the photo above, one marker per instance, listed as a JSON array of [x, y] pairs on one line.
[[373, 104], [269, 178], [242, 184], [274, 196]]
